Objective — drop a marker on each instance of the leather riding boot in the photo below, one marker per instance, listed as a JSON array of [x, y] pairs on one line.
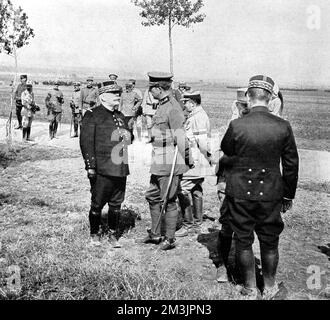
[[185, 202], [269, 262], [246, 264], [198, 208], [24, 133], [171, 217], [155, 213], [28, 132], [223, 247], [95, 221], [55, 129], [51, 131], [76, 130]]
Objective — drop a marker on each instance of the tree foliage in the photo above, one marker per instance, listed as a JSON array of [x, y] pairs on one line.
[[15, 31], [177, 12]]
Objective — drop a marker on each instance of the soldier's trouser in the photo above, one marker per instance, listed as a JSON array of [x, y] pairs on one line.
[[76, 122], [264, 218], [27, 123], [190, 196], [155, 195], [53, 124], [105, 190], [19, 107]]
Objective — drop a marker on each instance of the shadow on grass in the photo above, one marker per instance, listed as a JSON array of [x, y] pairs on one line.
[[210, 241]]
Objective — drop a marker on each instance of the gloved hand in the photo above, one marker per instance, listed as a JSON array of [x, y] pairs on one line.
[[286, 205], [91, 174]]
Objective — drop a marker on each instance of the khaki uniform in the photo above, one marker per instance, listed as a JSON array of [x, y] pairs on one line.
[[75, 104], [54, 102], [89, 99], [167, 130]]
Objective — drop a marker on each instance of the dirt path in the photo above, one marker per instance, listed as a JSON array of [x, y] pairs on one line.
[[314, 165]]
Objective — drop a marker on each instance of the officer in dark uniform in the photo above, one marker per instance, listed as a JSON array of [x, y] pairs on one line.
[[18, 100], [256, 190], [166, 133], [103, 141]]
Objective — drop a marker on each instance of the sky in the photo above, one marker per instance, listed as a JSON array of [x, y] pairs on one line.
[[288, 40]]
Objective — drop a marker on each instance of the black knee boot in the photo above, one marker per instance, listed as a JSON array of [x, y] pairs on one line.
[[28, 132], [246, 264], [223, 247], [24, 132], [269, 262], [95, 221], [198, 208]]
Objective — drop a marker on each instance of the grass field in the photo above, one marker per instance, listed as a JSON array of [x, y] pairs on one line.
[[44, 230], [308, 111]]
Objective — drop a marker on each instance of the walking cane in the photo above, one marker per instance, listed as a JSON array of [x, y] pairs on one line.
[[167, 190]]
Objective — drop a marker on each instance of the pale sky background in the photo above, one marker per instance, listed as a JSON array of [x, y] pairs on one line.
[[238, 38]]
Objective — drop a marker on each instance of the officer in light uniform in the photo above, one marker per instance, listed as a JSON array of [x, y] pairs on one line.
[[257, 190], [18, 100], [103, 141], [149, 107], [89, 96], [75, 105], [113, 77], [240, 106], [199, 135], [167, 131]]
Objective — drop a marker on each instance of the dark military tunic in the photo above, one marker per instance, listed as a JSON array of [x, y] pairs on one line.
[[255, 186], [103, 141]]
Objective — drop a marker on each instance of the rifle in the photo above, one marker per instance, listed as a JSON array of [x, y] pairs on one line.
[[167, 190]]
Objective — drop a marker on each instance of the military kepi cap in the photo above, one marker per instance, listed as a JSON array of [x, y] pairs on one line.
[[241, 95], [157, 78], [262, 82], [23, 76], [90, 79], [113, 75], [109, 87], [192, 95]]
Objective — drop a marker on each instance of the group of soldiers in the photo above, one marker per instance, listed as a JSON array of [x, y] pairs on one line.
[[256, 165], [252, 187]]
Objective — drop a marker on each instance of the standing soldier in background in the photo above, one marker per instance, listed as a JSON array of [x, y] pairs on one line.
[[113, 77], [54, 102], [240, 106], [103, 141], [149, 107], [139, 117], [89, 96], [199, 136], [276, 104], [18, 99], [28, 110], [168, 133], [179, 92], [130, 102], [75, 104]]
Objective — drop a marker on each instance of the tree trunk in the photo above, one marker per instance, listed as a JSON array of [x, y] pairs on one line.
[[12, 101], [171, 44]]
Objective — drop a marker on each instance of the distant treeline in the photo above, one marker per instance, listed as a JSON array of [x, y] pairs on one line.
[[61, 83]]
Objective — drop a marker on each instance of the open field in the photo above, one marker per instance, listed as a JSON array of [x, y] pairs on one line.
[[44, 232], [308, 111]]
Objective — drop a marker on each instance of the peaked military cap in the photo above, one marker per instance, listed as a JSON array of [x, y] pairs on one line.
[[23, 76], [29, 83], [132, 81], [77, 83], [128, 84], [114, 75], [182, 84], [57, 82], [90, 79], [157, 78], [241, 95], [262, 82], [191, 95], [110, 87]]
